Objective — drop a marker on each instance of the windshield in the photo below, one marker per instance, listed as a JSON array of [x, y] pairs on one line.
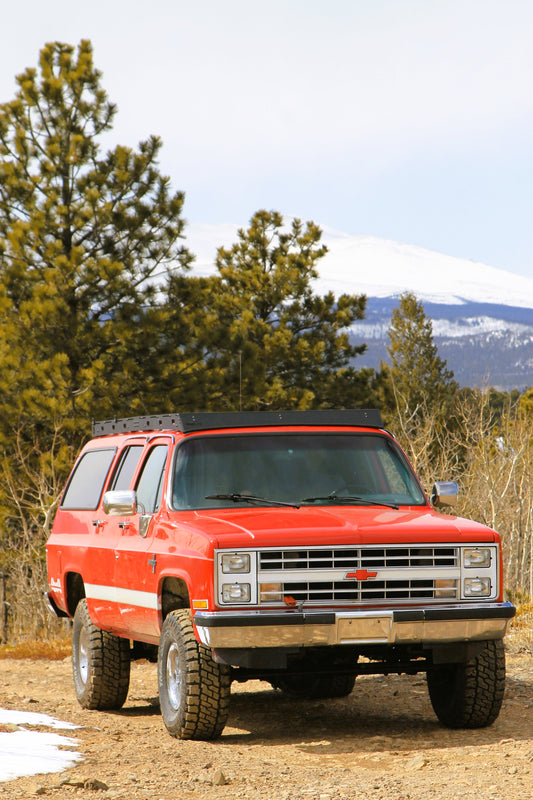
[[303, 469]]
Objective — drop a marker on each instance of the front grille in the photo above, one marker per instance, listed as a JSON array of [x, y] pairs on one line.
[[359, 575], [359, 558]]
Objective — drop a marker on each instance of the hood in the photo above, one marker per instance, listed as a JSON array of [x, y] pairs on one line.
[[275, 527]]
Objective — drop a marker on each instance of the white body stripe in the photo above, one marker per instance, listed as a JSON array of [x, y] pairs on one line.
[[124, 597]]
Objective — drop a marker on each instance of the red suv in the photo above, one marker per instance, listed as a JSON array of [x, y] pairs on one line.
[[295, 547]]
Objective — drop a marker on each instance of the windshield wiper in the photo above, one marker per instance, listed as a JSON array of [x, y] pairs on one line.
[[350, 498], [237, 497]]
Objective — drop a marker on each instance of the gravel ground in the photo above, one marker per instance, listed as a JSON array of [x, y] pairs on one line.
[[383, 741]]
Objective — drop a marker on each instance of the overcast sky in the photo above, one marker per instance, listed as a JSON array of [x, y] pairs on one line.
[[410, 120]]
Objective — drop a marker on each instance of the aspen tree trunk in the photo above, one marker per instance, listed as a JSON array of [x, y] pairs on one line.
[[3, 610]]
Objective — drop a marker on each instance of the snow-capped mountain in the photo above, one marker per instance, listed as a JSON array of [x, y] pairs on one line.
[[482, 316], [382, 268]]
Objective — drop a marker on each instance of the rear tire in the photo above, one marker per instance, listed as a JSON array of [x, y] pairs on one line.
[[100, 664], [469, 695], [194, 690]]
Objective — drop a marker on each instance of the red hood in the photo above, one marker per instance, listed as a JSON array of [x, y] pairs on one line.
[[275, 527]]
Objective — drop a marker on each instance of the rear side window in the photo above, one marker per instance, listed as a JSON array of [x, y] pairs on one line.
[[87, 481]]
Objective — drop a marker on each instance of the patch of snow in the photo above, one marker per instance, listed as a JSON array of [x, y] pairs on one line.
[[12, 717], [370, 330], [25, 752], [450, 329], [472, 326]]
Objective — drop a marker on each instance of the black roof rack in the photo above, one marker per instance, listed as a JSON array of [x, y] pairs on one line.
[[206, 420]]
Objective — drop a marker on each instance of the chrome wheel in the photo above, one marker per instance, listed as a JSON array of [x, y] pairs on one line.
[[83, 656], [174, 676]]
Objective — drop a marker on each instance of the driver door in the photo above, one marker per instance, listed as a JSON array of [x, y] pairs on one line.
[[136, 576]]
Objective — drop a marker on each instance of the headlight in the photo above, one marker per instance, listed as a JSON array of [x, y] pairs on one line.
[[236, 592], [477, 587], [235, 562], [236, 577], [476, 557]]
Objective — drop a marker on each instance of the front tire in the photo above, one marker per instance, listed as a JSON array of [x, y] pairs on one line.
[[100, 664], [194, 690], [469, 695]]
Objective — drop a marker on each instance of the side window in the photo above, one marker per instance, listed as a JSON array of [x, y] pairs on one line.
[[150, 484], [126, 467], [87, 481]]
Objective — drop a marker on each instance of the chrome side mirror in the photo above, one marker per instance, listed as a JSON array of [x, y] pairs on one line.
[[444, 493], [120, 503]]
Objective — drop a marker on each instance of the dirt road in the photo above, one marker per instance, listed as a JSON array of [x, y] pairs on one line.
[[381, 742]]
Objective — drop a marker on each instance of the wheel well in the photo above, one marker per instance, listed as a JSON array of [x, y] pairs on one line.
[[175, 595], [75, 591]]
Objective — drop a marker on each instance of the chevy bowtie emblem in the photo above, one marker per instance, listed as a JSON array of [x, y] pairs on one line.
[[360, 575]]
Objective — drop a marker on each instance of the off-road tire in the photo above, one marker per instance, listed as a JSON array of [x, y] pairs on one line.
[[315, 687], [100, 664], [469, 695], [194, 690]]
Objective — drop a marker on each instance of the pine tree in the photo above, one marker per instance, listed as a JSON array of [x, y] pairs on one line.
[[526, 403], [82, 235], [268, 340], [419, 378]]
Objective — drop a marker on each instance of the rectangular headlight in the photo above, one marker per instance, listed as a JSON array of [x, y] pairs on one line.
[[476, 557], [236, 592], [235, 562], [477, 587]]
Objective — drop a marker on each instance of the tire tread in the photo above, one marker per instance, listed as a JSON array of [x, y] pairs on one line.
[[109, 666], [208, 684]]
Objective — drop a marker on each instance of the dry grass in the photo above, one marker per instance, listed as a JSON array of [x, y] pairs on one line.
[[520, 635], [54, 650]]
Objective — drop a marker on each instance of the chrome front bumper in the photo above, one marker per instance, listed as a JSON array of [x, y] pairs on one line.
[[431, 625]]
